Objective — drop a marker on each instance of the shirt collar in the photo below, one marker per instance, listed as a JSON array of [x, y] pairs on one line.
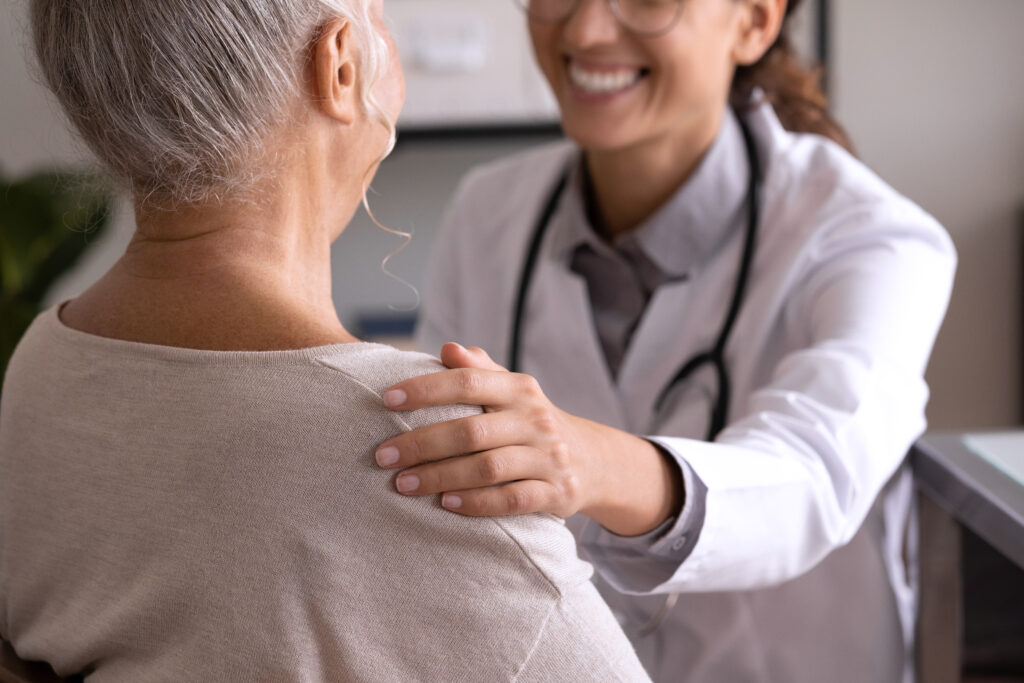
[[689, 227]]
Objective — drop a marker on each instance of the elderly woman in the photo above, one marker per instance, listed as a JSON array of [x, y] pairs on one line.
[[187, 480]]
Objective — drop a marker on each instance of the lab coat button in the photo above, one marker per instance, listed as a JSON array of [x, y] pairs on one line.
[[679, 543]]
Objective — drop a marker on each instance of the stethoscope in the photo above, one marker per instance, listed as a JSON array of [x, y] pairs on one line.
[[715, 356]]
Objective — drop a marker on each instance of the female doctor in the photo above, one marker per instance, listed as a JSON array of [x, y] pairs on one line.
[[705, 264]]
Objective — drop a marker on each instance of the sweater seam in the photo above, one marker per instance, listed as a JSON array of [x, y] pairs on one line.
[[355, 380], [601, 654], [554, 586], [492, 520], [537, 639]]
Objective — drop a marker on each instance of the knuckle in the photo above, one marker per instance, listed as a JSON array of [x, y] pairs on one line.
[[529, 385], [545, 422], [519, 501], [492, 468], [560, 456], [570, 487], [472, 434], [469, 382]]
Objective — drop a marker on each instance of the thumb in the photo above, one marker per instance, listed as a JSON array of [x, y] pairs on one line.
[[457, 356]]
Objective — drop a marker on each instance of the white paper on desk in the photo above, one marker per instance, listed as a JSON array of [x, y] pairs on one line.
[[1004, 450]]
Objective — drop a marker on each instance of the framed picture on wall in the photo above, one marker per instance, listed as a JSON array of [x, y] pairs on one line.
[[468, 63]]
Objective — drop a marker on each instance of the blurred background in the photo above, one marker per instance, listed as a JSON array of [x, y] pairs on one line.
[[930, 91]]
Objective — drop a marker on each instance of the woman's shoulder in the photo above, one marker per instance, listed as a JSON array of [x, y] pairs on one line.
[[266, 388], [259, 472], [376, 367], [542, 538]]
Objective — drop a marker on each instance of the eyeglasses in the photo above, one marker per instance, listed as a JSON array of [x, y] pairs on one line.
[[643, 17]]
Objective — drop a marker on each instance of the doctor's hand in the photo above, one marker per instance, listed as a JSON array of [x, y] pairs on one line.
[[523, 454]]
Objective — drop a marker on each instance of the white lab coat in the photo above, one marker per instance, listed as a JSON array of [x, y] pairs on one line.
[[801, 568]]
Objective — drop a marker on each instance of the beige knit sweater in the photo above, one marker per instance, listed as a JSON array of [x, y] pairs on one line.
[[178, 515]]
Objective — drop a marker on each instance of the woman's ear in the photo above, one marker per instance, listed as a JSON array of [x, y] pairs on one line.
[[759, 28], [335, 66]]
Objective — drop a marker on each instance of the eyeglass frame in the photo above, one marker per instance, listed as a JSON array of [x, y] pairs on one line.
[[616, 10]]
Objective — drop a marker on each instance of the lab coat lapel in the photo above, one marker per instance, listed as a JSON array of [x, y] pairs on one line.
[[561, 348], [660, 346]]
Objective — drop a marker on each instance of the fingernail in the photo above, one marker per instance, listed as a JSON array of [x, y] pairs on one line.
[[407, 483], [450, 500], [461, 347], [387, 456], [394, 398]]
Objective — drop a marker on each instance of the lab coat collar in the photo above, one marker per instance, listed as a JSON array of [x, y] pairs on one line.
[[689, 227]]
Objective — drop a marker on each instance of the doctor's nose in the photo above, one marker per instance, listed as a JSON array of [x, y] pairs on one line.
[[590, 24]]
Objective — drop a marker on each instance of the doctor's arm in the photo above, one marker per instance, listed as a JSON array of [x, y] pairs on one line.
[[795, 475], [524, 454], [792, 477]]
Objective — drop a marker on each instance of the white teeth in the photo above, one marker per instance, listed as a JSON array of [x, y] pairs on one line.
[[602, 82]]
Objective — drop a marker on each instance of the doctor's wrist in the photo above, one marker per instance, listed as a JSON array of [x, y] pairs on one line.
[[637, 487]]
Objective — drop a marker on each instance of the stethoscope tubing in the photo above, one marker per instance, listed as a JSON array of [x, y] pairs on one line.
[[716, 355]]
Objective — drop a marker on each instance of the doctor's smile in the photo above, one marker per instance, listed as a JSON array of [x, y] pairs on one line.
[[592, 78]]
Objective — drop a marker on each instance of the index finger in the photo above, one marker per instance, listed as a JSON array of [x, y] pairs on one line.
[[472, 386]]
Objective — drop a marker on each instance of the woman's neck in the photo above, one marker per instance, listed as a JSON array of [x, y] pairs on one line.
[[626, 186], [278, 246], [251, 276]]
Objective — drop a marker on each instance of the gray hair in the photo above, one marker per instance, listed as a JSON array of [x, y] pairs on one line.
[[179, 97]]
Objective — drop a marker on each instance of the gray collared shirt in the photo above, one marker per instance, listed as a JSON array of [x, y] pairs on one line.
[[667, 247]]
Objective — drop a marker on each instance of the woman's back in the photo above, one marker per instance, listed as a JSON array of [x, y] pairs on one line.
[[176, 514]]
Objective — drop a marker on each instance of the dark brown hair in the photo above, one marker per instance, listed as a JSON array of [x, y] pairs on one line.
[[793, 90]]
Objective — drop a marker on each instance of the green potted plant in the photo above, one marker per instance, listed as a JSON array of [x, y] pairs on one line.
[[47, 221]]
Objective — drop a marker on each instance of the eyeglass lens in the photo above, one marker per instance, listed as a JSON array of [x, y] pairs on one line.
[[648, 17]]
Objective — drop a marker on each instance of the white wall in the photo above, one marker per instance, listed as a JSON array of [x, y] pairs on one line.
[[932, 93]]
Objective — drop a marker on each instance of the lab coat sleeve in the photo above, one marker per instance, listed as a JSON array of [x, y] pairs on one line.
[[795, 474]]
